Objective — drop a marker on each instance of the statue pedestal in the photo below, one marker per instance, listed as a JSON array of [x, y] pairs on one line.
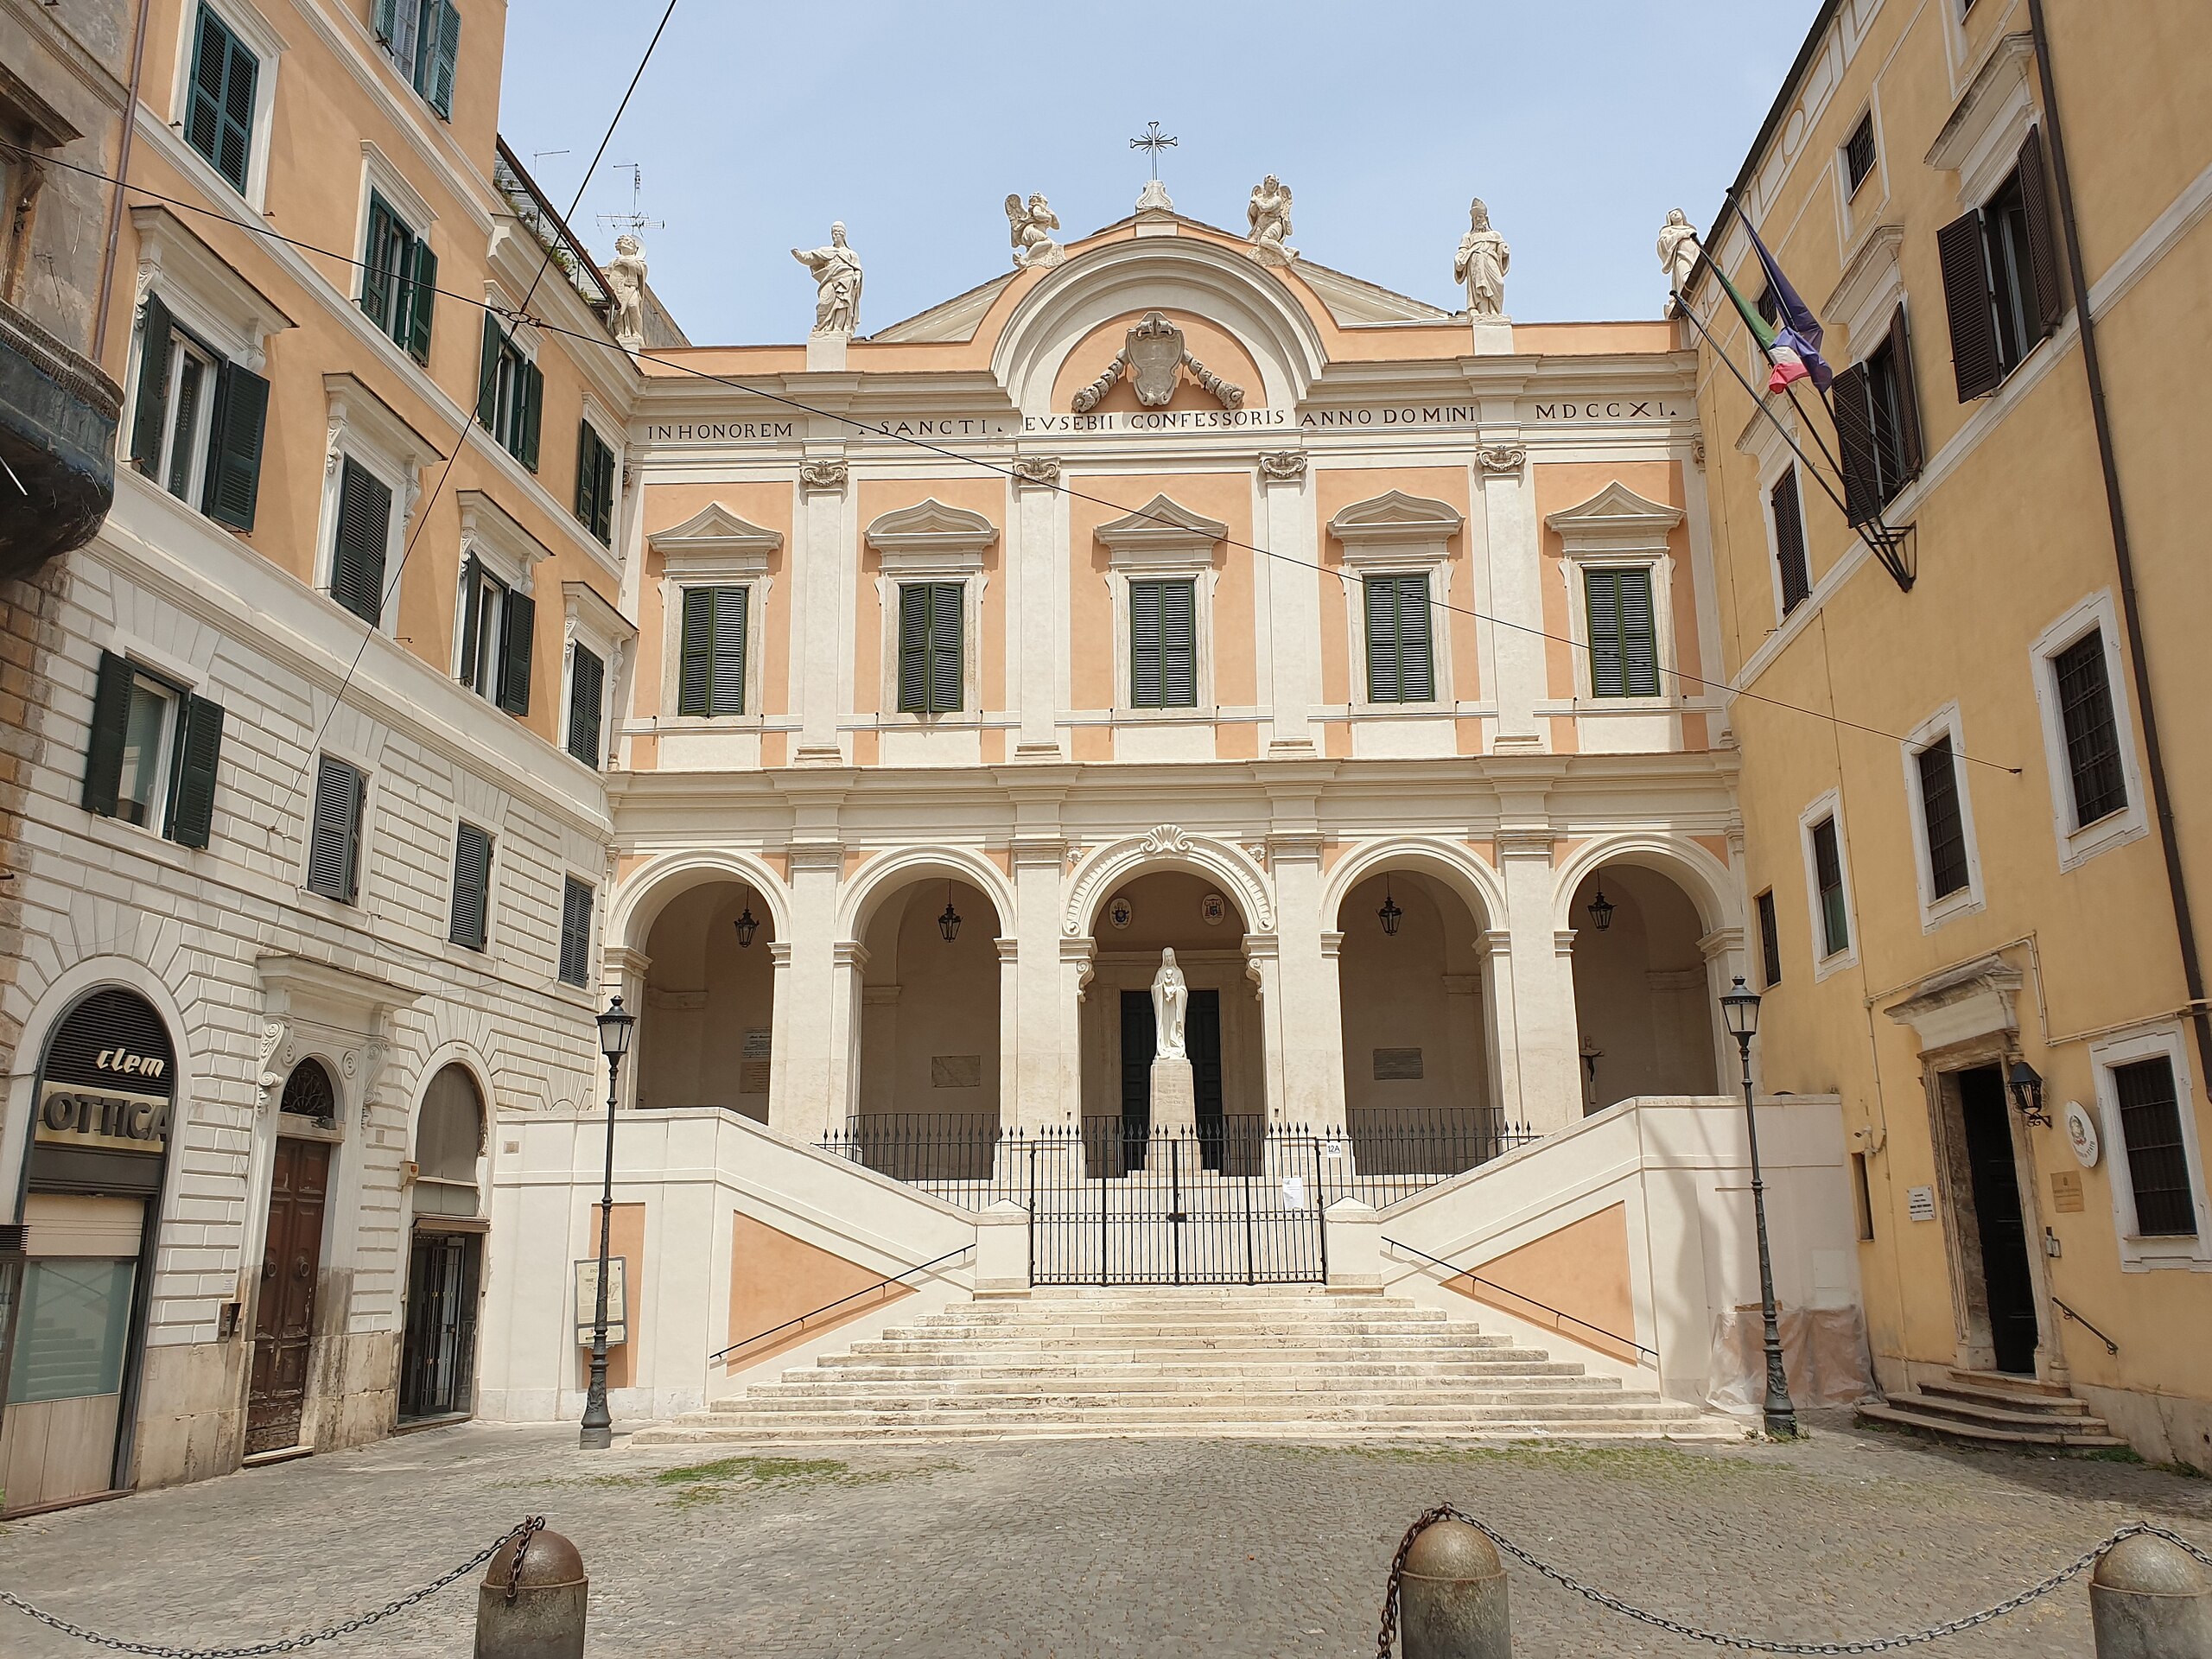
[[1493, 336], [826, 351], [1175, 1097]]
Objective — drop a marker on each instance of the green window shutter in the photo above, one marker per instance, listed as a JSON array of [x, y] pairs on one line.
[[575, 931], [594, 483], [1639, 635], [110, 720], [147, 420], [587, 683], [602, 524], [422, 298], [387, 22], [333, 845], [472, 886], [444, 59], [694, 688], [730, 622], [1601, 590], [363, 536], [1382, 676], [218, 113], [241, 419], [527, 419], [517, 638], [1144, 645], [914, 648], [1416, 666], [376, 274], [199, 748], [1179, 645], [472, 599], [487, 378], [586, 475], [945, 641]]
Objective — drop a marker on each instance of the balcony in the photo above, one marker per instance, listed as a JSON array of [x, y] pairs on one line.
[[58, 416]]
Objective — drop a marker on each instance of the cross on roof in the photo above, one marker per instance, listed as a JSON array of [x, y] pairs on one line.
[[1153, 140]]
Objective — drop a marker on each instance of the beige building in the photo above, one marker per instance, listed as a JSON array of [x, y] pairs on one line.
[[1980, 866]]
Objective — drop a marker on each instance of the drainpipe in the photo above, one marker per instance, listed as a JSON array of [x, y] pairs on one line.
[[2123, 557], [122, 173]]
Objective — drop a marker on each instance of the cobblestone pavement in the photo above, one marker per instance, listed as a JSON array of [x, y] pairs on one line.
[[1099, 1548]]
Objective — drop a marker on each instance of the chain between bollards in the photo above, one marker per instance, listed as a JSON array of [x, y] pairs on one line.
[[1386, 1638]]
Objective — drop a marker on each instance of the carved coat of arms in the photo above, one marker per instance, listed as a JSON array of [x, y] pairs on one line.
[[1154, 356]]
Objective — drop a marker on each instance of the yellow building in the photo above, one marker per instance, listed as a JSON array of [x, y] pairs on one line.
[[1980, 866]]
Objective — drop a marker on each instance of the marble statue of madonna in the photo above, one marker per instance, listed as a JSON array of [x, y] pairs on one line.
[[1171, 1001]]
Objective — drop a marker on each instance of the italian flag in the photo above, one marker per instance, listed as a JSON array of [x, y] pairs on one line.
[[1779, 344]]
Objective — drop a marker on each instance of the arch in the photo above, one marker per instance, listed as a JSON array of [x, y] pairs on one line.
[[640, 899], [310, 1091], [1170, 846], [1163, 273], [451, 1133], [1456, 866], [886, 873], [1708, 884]]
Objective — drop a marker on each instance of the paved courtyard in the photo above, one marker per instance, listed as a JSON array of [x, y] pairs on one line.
[[1104, 1547]]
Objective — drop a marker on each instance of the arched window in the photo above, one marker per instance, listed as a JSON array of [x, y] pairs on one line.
[[446, 1141], [309, 1092]]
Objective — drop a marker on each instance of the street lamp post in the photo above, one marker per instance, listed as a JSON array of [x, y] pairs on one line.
[[1741, 1007], [597, 1432]]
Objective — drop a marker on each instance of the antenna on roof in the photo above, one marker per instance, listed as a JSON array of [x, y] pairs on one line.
[[635, 220]]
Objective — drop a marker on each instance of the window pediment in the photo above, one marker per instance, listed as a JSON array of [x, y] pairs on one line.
[[505, 549], [1616, 520], [1161, 535], [1396, 529], [716, 542], [203, 288], [930, 536]]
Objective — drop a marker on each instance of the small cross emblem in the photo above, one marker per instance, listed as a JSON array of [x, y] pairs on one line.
[[1153, 140]]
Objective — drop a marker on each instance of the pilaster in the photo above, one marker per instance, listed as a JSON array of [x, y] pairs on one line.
[[1290, 605], [624, 972], [822, 580], [1544, 1032], [1305, 1005], [1048, 1073], [1039, 554], [1516, 596], [807, 1094]]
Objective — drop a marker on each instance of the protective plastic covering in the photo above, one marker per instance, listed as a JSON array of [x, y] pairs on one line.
[[1823, 1354]]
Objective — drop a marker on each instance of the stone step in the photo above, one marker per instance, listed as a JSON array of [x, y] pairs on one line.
[[1986, 1415], [1705, 1428], [2037, 1404], [2010, 1382], [1104, 1331], [1020, 1395], [1463, 1339], [1208, 1408], [1902, 1412], [949, 1367]]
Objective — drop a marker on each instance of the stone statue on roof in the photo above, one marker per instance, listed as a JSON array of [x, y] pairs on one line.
[[1481, 263], [1032, 227], [1269, 214], [625, 282], [837, 283]]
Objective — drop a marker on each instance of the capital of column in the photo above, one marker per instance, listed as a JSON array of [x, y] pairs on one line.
[[620, 962], [1496, 943], [1721, 942], [1008, 949], [1036, 472], [1038, 849], [1296, 845], [816, 856], [1525, 841], [1563, 941], [848, 953], [780, 953], [1332, 946]]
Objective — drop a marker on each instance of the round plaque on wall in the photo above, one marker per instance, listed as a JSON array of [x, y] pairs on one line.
[[1121, 913], [2081, 1133], [1214, 908]]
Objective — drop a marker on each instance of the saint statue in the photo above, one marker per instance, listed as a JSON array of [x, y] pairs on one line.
[[1678, 252], [1269, 214], [1170, 999], [837, 284], [1482, 261], [1032, 227], [625, 282]]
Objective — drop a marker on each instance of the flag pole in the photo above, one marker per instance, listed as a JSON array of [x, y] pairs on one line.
[[1826, 401]]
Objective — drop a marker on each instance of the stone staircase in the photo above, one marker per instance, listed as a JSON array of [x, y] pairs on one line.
[[1995, 1409], [1272, 1361]]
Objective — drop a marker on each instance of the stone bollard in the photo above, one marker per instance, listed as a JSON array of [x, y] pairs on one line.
[[540, 1616], [2149, 1600], [1451, 1597]]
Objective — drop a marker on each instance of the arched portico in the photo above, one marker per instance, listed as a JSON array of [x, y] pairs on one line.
[[703, 977]]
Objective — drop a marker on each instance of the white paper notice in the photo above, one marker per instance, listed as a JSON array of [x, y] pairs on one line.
[[1293, 1191]]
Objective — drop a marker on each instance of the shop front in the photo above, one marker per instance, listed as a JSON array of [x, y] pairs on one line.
[[89, 1204]]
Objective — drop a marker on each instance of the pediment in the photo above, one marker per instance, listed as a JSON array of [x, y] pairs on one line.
[[715, 529], [1615, 518], [1396, 517], [1162, 528], [931, 535]]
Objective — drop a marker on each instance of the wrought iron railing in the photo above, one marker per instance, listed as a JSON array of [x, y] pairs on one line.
[[951, 1155], [569, 255]]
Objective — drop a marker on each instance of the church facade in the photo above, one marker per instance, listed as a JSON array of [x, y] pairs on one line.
[[1172, 592]]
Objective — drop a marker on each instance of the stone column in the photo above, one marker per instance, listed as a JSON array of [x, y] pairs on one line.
[[624, 972], [848, 965], [1312, 1019], [1046, 1080], [879, 1049], [821, 582], [1290, 609], [1463, 1018], [1724, 958], [1009, 1102], [1040, 554], [1263, 967], [780, 1030], [807, 1096], [1544, 1034], [1508, 507]]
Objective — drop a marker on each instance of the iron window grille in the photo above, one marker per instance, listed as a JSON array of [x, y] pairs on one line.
[[2092, 733], [2157, 1163], [1827, 872], [1858, 156], [1941, 819]]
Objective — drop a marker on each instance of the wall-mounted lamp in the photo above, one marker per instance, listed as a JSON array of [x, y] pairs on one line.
[[2026, 1084]]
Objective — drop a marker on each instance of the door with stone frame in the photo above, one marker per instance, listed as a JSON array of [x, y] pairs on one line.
[[1986, 1181], [283, 1320]]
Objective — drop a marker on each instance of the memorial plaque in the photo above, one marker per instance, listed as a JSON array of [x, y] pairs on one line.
[[1397, 1065], [956, 1071]]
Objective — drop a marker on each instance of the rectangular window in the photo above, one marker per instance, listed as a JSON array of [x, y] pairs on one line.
[[1624, 633], [1878, 424], [1790, 542], [1859, 152], [1862, 1194], [197, 421], [1401, 663], [219, 104], [1941, 822], [509, 393], [360, 542], [576, 932], [2085, 714], [152, 756], [1828, 874], [710, 676], [2158, 1164], [928, 647], [1163, 644], [1769, 941], [2001, 277], [497, 629], [399, 279], [594, 483], [472, 888], [423, 37], [587, 690], [334, 844], [73, 1329]]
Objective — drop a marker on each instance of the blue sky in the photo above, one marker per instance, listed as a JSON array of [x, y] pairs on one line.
[[1581, 122]]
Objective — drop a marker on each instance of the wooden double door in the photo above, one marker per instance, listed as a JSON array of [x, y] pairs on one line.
[[283, 1317]]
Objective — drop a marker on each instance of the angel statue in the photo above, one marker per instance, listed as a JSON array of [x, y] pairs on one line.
[[1269, 213], [1678, 252], [625, 282], [1482, 263], [1030, 226], [837, 283]]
